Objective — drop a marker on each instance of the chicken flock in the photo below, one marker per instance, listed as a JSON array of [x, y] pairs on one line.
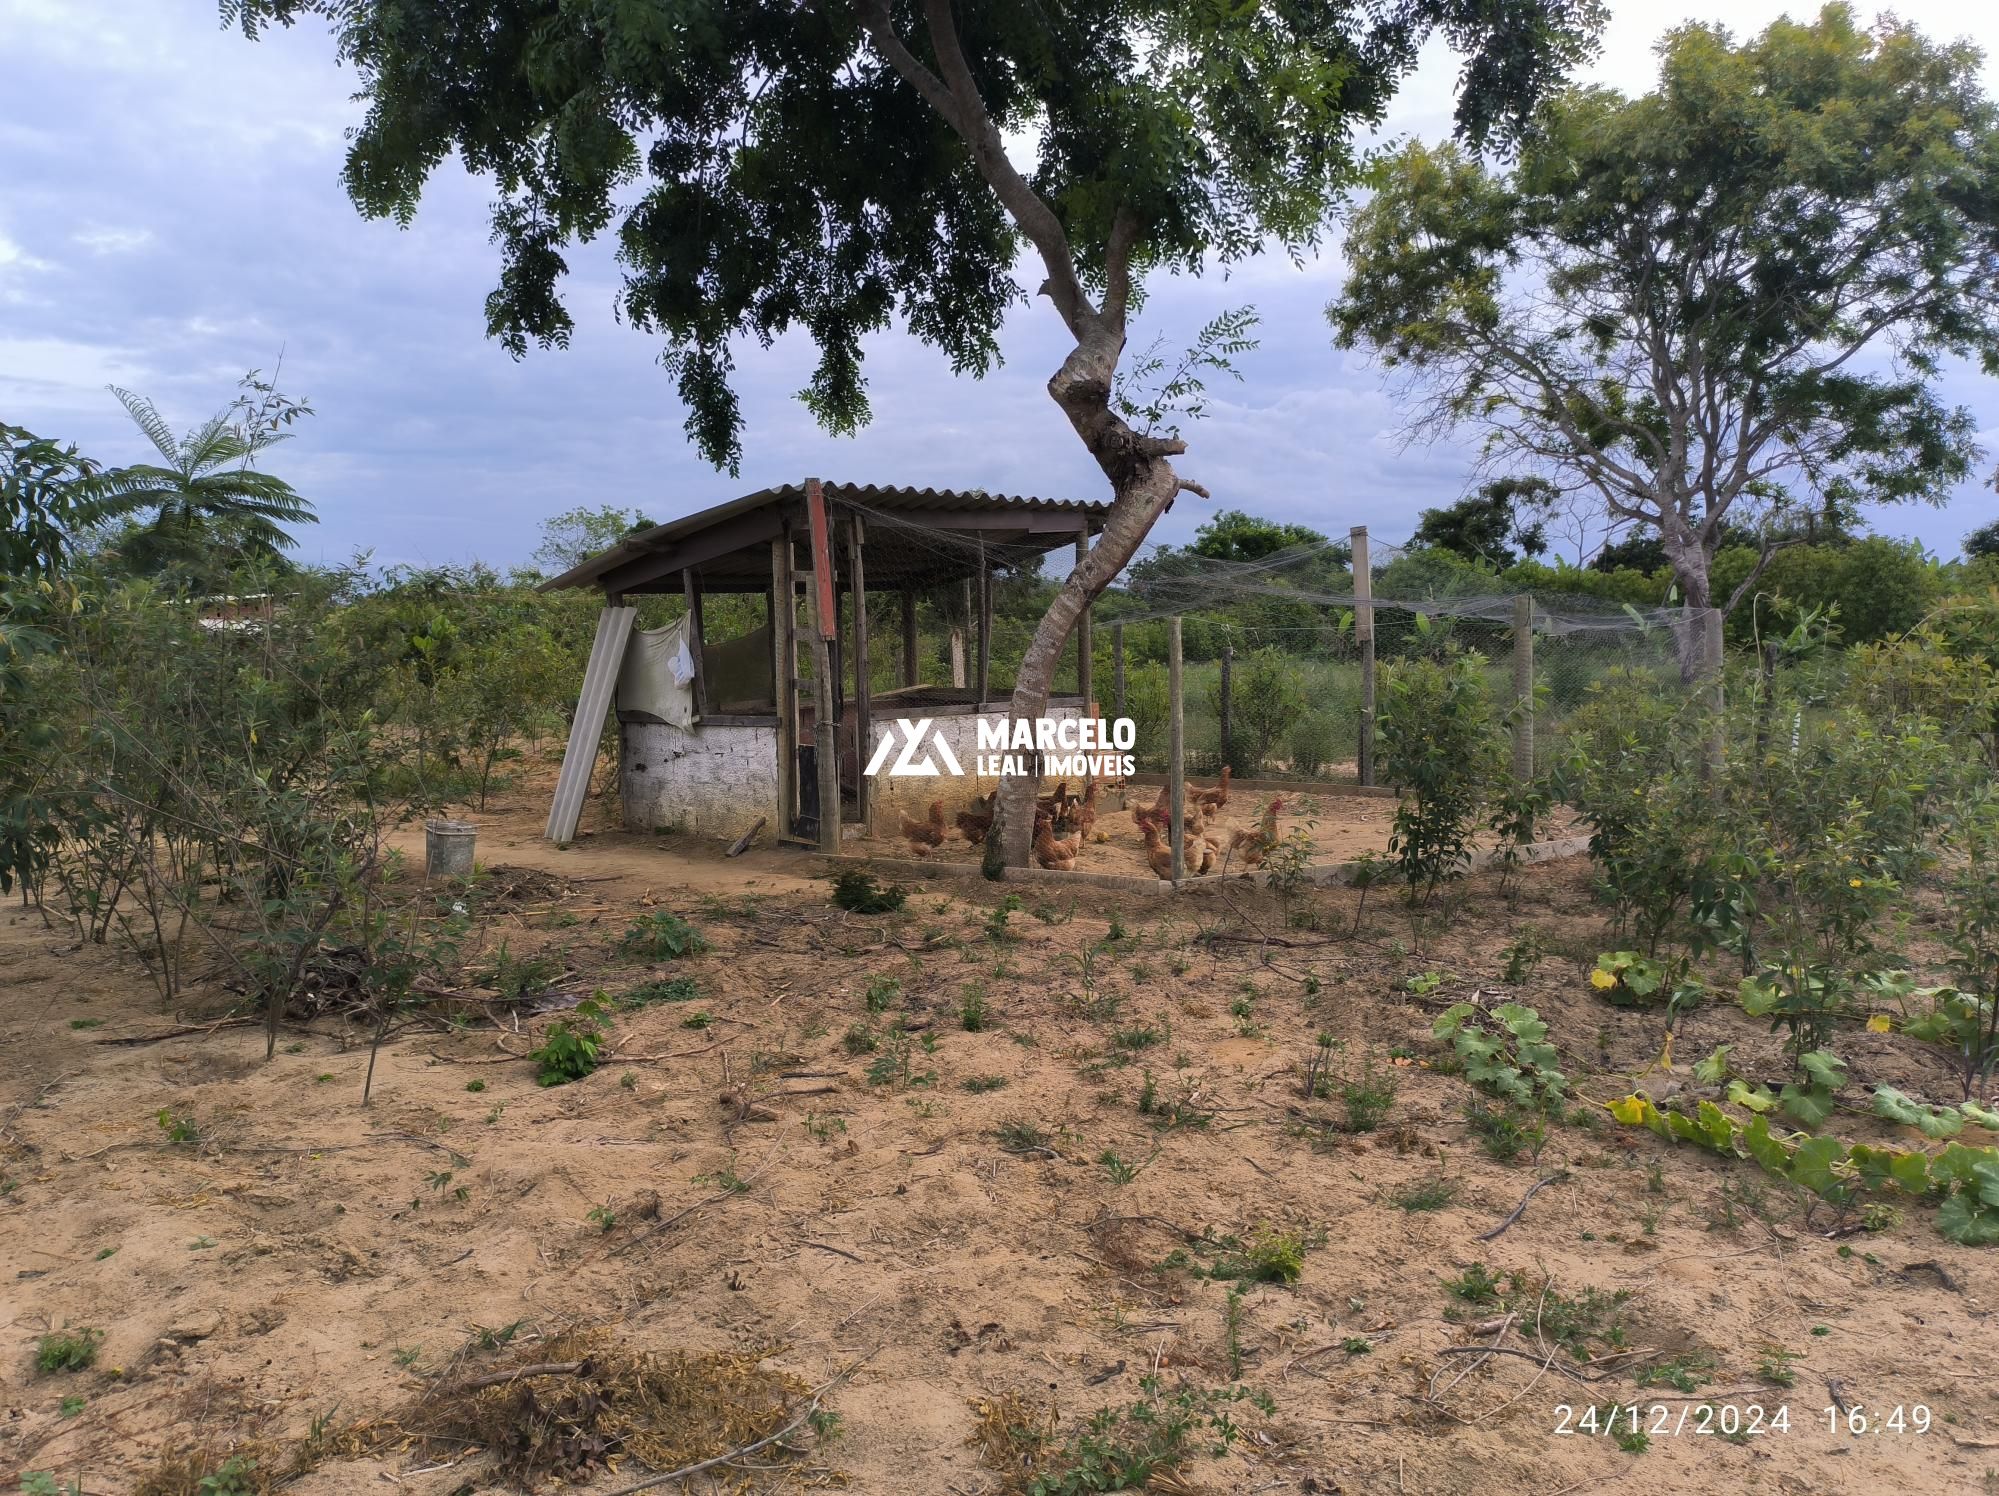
[[1063, 822]]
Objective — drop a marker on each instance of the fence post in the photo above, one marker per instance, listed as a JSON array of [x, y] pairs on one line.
[[1363, 627], [1085, 638], [1176, 750], [1711, 673], [1117, 664], [1523, 688], [1228, 738]]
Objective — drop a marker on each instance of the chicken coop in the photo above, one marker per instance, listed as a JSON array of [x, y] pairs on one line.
[[777, 713]]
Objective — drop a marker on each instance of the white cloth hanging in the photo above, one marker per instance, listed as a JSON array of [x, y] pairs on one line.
[[655, 683]]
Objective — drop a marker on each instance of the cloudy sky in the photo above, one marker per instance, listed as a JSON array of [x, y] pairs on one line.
[[171, 215]]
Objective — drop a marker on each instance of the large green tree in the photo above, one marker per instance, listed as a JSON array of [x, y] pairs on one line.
[[837, 167], [1722, 303], [1488, 525]]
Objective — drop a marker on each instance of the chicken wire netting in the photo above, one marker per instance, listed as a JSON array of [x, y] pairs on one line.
[[1272, 651]]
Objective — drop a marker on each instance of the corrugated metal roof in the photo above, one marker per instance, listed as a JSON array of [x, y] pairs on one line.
[[888, 498]]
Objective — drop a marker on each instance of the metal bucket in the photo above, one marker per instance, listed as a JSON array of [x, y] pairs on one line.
[[447, 848]]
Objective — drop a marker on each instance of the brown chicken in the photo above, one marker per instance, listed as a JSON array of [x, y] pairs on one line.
[[1253, 843], [1158, 852], [1058, 856], [1210, 800], [977, 819], [923, 835], [1057, 804], [1161, 808], [1084, 818]]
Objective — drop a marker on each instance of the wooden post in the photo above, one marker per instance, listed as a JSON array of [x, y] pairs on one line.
[[825, 728], [958, 633], [1176, 749], [1363, 625], [1523, 689], [1084, 642], [1713, 751], [1117, 665], [911, 669], [1228, 742], [784, 680], [864, 741], [697, 637], [985, 622]]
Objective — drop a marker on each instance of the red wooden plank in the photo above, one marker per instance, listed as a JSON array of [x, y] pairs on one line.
[[822, 556]]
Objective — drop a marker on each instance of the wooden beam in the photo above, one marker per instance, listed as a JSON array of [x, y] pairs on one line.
[[697, 637], [1523, 689], [966, 613], [825, 609], [825, 719], [742, 533], [784, 681], [1117, 667], [985, 580], [1176, 748], [1363, 626], [863, 728], [911, 667], [1084, 644]]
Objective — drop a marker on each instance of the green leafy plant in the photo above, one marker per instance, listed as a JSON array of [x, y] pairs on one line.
[[882, 994], [972, 1011], [856, 891], [1367, 1098], [568, 1051], [662, 936], [1505, 1051], [1477, 1284], [1440, 745], [669, 990], [67, 1350]]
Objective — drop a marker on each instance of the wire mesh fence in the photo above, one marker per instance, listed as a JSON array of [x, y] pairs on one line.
[[1279, 652]]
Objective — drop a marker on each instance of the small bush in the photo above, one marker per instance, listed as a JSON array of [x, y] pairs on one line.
[[672, 990], [856, 891], [67, 1350], [662, 936], [568, 1051], [1368, 1100]]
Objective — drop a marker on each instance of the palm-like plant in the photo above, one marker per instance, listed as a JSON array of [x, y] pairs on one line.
[[208, 492]]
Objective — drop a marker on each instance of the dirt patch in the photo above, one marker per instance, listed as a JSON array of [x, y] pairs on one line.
[[1003, 1174]]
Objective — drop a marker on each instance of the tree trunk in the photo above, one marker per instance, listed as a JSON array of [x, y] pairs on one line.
[[1689, 560], [1143, 485]]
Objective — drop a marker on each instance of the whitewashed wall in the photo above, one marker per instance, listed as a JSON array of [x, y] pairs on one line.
[[912, 795], [714, 780]]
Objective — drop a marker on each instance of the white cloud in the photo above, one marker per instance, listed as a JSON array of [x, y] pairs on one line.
[[109, 241]]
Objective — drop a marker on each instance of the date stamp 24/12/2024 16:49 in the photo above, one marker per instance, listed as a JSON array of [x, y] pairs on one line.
[[1624, 1421]]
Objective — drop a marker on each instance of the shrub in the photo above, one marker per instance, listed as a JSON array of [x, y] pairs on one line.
[[662, 936], [856, 891], [67, 1350], [1440, 744], [569, 1050]]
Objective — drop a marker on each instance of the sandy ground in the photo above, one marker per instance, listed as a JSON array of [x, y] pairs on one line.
[[1339, 827], [303, 1259]]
